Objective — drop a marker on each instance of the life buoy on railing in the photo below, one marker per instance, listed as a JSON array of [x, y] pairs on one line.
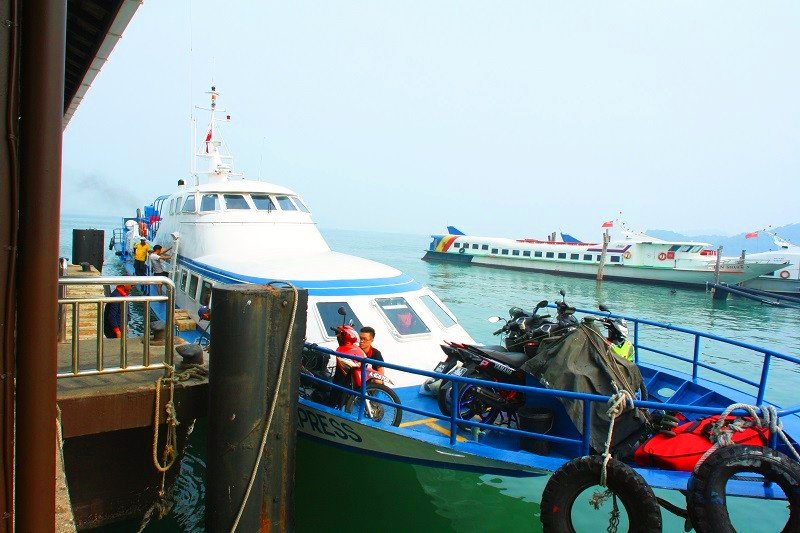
[[708, 511], [461, 250], [626, 255], [569, 481], [662, 256], [785, 274]]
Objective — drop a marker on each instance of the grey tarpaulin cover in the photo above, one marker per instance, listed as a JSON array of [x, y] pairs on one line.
[[582, 362]]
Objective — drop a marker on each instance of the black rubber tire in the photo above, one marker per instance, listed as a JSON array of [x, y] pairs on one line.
[[443, 398], [372, 389], [705, 497], [569, 481]]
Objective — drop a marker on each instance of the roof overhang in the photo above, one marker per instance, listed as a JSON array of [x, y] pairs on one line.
[[93, 29]]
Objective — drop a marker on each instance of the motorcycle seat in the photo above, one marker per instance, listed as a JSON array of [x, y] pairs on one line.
[[513, 359]]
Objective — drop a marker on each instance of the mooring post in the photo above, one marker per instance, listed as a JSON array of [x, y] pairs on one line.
[[251, 367], [717, 294], [606, 239]]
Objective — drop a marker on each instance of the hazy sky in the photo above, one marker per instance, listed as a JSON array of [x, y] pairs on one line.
[[502, 118]]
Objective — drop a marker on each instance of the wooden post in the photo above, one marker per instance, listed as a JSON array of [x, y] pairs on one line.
[[606, 239], [251, 323], [716, 292], [716, 267]]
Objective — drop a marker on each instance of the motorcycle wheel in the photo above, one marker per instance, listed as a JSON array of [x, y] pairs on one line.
[[380, 412], [470, 405]]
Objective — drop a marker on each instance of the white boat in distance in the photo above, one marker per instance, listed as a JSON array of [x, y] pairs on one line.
[[785, 280], [636, 258], [226, 229]]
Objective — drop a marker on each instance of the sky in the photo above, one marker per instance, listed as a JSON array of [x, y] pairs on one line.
[[506, 119]]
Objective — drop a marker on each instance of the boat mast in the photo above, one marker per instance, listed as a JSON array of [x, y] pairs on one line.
[[213, 147]]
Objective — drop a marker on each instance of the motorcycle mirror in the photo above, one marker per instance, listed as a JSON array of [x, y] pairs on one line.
[[341, 311], [562, 293], [541, 304], [495, 319], [604, 308]]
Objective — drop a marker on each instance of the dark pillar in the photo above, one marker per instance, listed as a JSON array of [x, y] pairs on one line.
[[43, 34], [250, 325], [88, 247]]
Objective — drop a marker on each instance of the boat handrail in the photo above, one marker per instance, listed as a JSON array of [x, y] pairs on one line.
[[75, 303]]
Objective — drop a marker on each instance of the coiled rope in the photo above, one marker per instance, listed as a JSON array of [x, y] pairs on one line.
[[722, 430], [272, 406]]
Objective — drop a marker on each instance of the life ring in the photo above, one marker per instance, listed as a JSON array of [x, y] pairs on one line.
[[461, 250], [705, 498], [662, 256], [785, 274], [569, 481], [626, 255]]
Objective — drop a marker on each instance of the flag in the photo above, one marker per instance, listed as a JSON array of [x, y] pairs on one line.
[[608, 224], [751, 235], [209, 136]]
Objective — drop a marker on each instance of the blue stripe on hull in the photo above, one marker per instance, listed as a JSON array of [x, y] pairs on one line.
[[337, 287]]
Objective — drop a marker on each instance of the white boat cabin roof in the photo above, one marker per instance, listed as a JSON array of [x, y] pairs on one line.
[[242, 186]]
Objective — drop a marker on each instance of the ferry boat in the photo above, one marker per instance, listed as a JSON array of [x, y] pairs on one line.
[[229, 229], [786, 280], [636, 258]]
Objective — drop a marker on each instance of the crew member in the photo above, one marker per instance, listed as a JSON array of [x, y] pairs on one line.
[[156, 267], [140, 253], [113, 327], [365, 337]]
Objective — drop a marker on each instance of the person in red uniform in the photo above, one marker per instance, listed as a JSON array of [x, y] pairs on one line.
[[113, 328], [366, 336]]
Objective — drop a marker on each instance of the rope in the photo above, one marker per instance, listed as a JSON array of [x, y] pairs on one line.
[[621, 400], [722, 430], [272, 406]]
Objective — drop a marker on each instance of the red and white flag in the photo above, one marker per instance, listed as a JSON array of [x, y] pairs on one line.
[[608, 224], [751, 235], [209, 136]]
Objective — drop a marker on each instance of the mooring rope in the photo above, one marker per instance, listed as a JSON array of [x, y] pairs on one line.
[[619, 402], [272, 406], [722, 430]]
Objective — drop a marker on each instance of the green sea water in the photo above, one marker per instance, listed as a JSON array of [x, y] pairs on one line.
[[330, 482]]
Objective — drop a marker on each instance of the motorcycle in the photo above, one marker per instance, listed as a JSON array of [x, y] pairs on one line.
[[348, 373], [490, 403]]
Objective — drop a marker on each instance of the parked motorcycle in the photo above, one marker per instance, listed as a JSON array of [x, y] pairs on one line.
[[348, 373], [490, 403]]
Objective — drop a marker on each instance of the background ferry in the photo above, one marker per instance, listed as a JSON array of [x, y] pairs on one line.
[[638, 257]]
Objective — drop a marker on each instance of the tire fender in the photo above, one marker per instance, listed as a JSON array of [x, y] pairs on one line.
[[705, 497], [569, 481]]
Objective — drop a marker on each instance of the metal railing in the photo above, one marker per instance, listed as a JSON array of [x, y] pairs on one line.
[[74, 304]]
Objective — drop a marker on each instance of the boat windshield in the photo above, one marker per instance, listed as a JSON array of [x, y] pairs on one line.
[[286, 203], [437, 310], [263, 202], [235, 201], [404, 319], [329, 313]]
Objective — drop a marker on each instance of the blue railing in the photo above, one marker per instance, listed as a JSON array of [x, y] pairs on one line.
[[583, 443]]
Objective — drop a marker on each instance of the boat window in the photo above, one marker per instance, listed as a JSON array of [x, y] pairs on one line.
[[189, 205], [192, 286], [550, 255], [441, 315], [685, 248], [598, 257], [514, 252], [184, 275], [674, 248], [505, 252], [209, 202], [526, 253], [263, 202], [696, 249], [494, 250], [235, 201], [456, 245], [562, 255], [474, 246], [587, 257], [171, 206], [485, 247], [615, 258], [301, 204], [402, 316], [205, 293], [285, 203], [538, 254], [575, 256], [329, 313]]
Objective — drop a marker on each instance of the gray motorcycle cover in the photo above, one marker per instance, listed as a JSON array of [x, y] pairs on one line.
[[582, 362]]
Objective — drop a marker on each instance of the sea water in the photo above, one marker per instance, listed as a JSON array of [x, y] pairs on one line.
[[337, 490]]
